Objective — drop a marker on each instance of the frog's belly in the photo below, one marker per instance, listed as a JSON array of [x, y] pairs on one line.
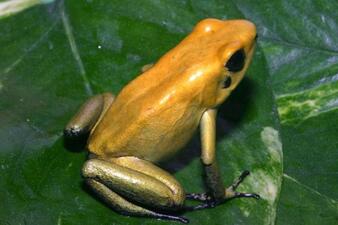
[[160, 144]]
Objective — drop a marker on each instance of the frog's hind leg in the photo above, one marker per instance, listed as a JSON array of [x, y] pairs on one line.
[[125, 207], [135, 187], [88, 115]]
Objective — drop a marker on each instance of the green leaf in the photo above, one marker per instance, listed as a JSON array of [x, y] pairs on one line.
[[302, 51], [280, 123]]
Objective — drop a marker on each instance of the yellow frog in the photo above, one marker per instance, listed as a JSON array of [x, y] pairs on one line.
[[156, 114]]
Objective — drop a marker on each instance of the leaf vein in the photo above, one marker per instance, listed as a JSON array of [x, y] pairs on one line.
[[297, 45], [74, 49], [30, 49], [332, 201]]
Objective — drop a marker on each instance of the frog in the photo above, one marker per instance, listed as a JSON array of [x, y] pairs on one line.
[[155, 115]]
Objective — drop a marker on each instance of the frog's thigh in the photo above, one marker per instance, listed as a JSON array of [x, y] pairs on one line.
[[138, 181], [89, 113], [155, 172]]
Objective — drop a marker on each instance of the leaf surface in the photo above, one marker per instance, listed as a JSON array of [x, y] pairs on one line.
[[279, 123]]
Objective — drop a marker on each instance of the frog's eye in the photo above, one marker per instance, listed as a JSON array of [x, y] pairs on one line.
[[236, 61], [227, 82]]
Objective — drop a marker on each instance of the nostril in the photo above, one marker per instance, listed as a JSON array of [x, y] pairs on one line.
[[227, 82]]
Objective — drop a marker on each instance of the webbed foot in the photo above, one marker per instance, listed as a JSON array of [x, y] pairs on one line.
[[230, 193]]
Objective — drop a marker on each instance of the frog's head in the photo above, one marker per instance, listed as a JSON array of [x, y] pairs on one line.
[[232, 47]]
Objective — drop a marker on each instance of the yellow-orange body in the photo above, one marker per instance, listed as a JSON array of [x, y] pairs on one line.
[[156, 114]]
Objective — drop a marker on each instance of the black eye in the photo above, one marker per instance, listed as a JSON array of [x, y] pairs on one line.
[[236, 61], [227, 82]]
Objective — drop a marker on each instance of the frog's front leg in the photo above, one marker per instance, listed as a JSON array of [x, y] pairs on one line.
[[217, 193], [88, 115], [135, 187]]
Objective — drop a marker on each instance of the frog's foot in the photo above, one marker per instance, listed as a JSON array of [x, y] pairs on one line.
[[230, 193], [202, 197]]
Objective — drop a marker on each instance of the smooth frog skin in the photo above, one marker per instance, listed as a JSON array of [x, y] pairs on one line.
[[156, 114]]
